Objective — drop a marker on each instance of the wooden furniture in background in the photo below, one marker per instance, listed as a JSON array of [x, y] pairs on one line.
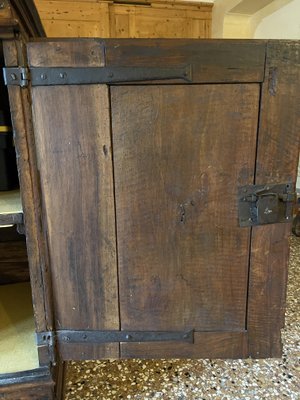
[[155, 19]]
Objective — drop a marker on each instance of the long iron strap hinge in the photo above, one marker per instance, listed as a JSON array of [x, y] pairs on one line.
[[49, 76], [98, 337]]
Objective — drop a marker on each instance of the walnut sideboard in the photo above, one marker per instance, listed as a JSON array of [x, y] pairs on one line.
[[157, 181]]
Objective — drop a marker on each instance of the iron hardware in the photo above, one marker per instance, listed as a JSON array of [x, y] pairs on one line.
[[266, 204], [41, 76], [18, 76], [91, 336], [47, 339]]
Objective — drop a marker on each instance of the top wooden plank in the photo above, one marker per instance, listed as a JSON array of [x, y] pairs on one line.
[[212, 61]]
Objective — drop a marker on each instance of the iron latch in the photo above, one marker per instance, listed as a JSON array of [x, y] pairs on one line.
[[266, 204], [48, 76]]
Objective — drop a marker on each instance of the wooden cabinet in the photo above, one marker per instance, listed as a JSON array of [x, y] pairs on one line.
[[150, 175], [156, 19]]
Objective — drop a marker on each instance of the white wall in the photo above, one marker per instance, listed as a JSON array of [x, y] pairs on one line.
[[282, 24]]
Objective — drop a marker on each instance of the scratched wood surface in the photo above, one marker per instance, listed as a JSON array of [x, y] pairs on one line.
[[212, 61], [277, 161], [206, 345], [74, 158], [179, 153], [183, 260]]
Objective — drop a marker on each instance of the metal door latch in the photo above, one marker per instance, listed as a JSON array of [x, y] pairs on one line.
[[266, 204]]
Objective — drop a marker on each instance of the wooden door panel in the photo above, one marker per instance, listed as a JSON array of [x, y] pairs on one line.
[[74, 157], [180, 152]]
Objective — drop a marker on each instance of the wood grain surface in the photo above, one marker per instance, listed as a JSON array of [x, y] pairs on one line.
[[206, 345], [74, 160], [212, 61], [29, 184], [277, 161], [183, 260]]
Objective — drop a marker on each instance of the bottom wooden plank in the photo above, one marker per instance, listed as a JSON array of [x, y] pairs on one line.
[[86, 351], [27, 385], [206, 345], [39, 392]]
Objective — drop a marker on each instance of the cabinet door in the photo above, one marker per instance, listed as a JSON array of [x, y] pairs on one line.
[[180, 154], [139, 184]]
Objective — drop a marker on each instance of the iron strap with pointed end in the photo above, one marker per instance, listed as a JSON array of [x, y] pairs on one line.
[[91, 336], [43, 76]]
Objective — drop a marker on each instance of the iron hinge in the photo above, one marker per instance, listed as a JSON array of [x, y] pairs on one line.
[[17, 76], [68, 336], [111, 336], [266, 204], [43, 76]]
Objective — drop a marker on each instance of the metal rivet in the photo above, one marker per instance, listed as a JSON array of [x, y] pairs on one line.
[[13, 76], [185, 336], [43, 76], [62, 75], [128, 337], [84, 337], [66, 338]]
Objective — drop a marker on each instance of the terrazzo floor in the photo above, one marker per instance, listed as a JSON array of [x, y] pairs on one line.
[[274, 379]]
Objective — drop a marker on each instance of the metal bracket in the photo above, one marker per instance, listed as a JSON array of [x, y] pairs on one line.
[[40, 76], [266, 204], [18, 76], [47, 339]]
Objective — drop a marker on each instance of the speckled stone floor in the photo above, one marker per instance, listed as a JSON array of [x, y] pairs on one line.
[[274, 379]]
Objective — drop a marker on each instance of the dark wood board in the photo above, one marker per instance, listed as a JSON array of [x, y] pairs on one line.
[[20, 108], [183, 259], [27, 385], [211, 60], [206, 345], [88, 351], [277, 161], [74, 159]]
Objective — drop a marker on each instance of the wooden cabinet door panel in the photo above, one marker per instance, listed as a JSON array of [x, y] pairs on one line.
[[180, 152]]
